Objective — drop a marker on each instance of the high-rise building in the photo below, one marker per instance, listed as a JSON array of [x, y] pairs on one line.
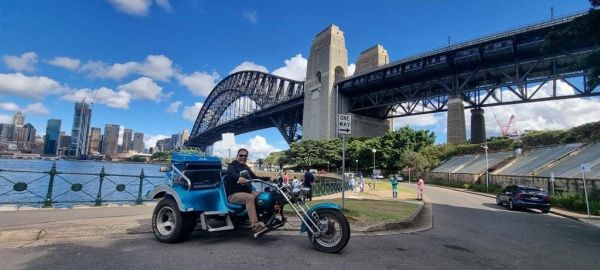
[[126, 144], [184, 136], [94, 141], [64, 145], [175, 139], [7, 133], [19, 119], [110, 141], [51, 140], [81, 129], [138, 142], [25, 137]]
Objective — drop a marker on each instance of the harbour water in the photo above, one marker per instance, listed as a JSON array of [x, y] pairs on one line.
[[77, 182]]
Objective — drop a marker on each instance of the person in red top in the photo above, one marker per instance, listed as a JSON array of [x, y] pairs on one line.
[[286, 179], [420, 187]]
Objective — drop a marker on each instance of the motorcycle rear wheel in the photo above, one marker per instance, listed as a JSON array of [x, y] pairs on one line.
[[337, 231], [170, 225]]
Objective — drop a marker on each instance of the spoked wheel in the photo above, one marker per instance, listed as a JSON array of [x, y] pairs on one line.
[[336, 231], [171, 225]]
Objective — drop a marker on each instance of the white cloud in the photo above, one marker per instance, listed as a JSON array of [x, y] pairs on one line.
[[150, 140], [422, 120], [36, 109], [257, 146], [158, 67], [249, 66], [174, 107], [351, 69], [295, 68], [191, 112], [165, 5], [28, 86], [9, 106], [132, 7], [251, 16], [65, 62], [199, 83], [25, 62], [142, 88], [103, 95], [6, 119]]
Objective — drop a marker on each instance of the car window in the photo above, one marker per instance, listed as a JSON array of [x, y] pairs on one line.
[[532, 190], [507, 189]]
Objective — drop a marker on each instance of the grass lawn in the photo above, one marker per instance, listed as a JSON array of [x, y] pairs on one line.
[[367, 212]]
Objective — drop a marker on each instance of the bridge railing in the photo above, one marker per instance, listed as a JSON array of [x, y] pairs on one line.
[[49, 188], [478, 40]]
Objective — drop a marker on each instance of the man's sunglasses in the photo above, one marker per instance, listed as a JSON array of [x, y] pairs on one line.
[[242, 155]]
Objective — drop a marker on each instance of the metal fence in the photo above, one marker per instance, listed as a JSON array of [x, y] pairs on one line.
[[56, 187]]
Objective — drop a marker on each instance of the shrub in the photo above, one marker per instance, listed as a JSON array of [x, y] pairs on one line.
[[575, 202], [493, 188]]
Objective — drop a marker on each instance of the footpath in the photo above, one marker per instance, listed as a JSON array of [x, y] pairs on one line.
[[593, 220], [32, 224]]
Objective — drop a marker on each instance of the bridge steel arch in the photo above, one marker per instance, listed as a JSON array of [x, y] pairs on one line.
[[279, 104]]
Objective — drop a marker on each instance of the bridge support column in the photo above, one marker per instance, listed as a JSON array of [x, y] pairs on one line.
[[457, 130], [477, 126]]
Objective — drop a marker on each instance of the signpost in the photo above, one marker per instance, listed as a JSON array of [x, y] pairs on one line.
[[552, 181], [344, 128], [585, 167]]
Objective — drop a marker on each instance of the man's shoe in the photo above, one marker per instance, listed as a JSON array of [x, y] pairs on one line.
[[258, 230]]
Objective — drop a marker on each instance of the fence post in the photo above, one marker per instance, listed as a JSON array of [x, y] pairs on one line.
[[99, 196], [52, 173], [139, 198]]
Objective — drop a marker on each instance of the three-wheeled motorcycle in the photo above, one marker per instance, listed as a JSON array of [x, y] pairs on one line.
[[193, 196]]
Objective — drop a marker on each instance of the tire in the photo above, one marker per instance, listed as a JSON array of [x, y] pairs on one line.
[[338, 231], [511, 206], [545, 211], [498, 202], [171, 225]]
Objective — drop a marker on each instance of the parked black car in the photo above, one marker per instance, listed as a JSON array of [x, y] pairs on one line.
[[518, 197]]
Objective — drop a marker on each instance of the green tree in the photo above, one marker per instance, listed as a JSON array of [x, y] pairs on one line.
[[260, 162], [161, 156], [414, 160]]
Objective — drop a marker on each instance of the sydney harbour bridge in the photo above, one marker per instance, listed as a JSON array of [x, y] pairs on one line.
[[499, 69]]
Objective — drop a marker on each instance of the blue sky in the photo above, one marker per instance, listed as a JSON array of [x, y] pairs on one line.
[[149, 64]]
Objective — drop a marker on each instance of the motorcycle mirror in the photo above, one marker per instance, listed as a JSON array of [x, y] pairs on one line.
[[245, 174]]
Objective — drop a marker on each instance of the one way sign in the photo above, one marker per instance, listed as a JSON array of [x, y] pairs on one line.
[[345, 124]]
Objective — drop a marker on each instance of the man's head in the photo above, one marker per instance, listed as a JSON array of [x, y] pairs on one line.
[[242, 155]]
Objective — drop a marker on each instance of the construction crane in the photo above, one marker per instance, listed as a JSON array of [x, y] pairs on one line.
[[509, 129]]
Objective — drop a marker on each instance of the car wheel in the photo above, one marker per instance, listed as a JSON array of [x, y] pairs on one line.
[[545, 211], [171, 225], [511, 205], [498, 201]]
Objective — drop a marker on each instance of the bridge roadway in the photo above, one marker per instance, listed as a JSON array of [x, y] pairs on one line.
[[469, 232]]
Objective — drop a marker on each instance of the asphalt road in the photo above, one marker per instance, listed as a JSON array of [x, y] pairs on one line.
[[469, 232]]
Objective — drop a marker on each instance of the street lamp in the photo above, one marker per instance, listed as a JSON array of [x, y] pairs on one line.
[[487, 169], [356, 166], [374, 151]]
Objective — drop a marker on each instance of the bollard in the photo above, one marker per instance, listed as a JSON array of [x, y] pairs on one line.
[[52, 173], [139, 198], [99, 196]]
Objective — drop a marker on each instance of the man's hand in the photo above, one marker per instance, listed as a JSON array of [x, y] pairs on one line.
[[242, 180]]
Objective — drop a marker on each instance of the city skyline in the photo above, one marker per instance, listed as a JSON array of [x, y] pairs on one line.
[[157, 85]]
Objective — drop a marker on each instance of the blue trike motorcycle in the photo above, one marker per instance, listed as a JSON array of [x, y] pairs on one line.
[[194, 197]]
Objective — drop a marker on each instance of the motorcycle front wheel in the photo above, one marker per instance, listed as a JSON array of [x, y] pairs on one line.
[[335, 228]]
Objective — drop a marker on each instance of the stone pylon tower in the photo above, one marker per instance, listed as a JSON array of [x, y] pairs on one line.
[[328, 60], [457, 131]]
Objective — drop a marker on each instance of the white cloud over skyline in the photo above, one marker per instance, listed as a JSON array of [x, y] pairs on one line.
[[173, 107], [139, 7], [24, 63], [142, 88], [102, 95], [35, 87], [65, 62], [257, 146], [190, 113], [199, 83]]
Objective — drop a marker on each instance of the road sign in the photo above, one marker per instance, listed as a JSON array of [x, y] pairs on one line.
[[585, 167], [345, 124]]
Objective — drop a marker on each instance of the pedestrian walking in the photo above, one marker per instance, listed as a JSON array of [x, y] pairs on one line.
[[394, 182], [351, 182], [309, 182], [286, 179], [420, 187], [361, 183]]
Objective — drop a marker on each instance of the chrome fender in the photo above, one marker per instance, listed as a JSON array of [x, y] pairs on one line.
[[316, 207]]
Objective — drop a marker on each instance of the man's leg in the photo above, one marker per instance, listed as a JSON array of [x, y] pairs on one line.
[[248, 200]]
